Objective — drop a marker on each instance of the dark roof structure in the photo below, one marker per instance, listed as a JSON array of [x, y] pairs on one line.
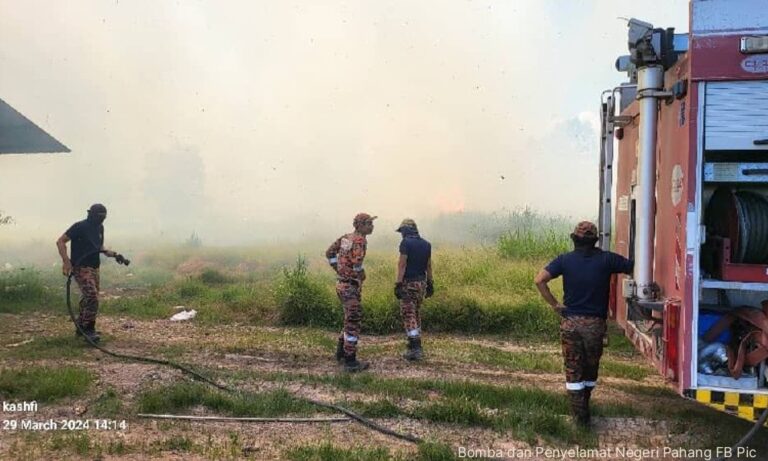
[[19, 135]]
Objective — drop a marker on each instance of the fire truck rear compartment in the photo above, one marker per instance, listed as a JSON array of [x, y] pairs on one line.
[[734, 250]]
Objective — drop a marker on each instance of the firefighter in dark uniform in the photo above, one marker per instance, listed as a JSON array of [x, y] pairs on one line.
[[346, 256], [413, 283], [586, 275], [87, 237]]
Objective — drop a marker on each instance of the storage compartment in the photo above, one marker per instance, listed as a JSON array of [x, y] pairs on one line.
[[734, 253], [736, 115], [728, 321]]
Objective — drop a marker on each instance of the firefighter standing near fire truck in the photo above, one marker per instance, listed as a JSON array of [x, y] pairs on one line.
[[586, 275], [346, 256], [413, 283]]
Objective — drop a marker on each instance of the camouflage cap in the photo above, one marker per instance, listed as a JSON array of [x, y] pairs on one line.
[[362, 218], [585, 229], [407, 223]]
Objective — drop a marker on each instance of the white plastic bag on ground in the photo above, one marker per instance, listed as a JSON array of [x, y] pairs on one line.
[[184, 315]]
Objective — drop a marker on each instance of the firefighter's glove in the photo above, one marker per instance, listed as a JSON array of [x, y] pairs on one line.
[[122, 259], [399, 290], [430, 289]]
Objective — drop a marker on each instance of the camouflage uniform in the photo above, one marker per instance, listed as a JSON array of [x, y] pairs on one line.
[[87, 279], [587, 273], [347, 254], [582, 342], [413, 283], [413, 297]]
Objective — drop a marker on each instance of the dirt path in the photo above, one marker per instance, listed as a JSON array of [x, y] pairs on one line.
[[264, 352]]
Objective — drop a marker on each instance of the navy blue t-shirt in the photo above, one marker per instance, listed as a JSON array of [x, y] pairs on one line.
[[418, 251], [87, 237], [586, 279]]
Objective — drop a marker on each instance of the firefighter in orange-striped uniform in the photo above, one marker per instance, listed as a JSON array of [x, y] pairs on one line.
[[346, 256]]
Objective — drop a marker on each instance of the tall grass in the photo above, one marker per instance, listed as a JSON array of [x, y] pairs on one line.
[[526, 244], [24, 288], [486, 228], [529, 235], [477, 289], [303, 300], [23, 285]]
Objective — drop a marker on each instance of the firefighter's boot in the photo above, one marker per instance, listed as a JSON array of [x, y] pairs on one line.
[[340, 350], [587, 396], [579, 407], [352, 365], [81, 327], [78, 329], [89, 330], [414, 351]]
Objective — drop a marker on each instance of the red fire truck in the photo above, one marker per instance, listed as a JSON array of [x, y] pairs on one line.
[[684, 181]]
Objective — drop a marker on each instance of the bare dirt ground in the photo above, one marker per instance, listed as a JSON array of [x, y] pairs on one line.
[[259, 354]]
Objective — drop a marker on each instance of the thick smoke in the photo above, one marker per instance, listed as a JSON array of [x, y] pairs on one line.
[[277, 122]]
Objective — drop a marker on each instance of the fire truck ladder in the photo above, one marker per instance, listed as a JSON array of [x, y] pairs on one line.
[[607, 111], [609, 121]]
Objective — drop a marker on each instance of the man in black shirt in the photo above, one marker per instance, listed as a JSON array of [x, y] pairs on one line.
[[586, 275], [87, 237], [414, 283]]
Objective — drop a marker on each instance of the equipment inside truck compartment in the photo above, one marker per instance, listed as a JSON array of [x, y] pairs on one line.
[[732, 323], [737, 233]]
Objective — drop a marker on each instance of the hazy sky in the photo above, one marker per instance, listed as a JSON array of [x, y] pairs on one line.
[[233, 118]]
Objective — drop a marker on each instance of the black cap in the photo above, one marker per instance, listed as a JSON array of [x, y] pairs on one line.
[[97, 208]]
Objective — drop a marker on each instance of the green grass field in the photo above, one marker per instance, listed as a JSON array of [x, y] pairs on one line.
[[478, 290], [267, 321]]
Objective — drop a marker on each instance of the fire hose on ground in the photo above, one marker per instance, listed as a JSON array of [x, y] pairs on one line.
[[748, 436], [352, 415], [195, 375]]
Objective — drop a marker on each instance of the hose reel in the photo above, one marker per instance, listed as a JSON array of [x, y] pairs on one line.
[[742, 217]]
